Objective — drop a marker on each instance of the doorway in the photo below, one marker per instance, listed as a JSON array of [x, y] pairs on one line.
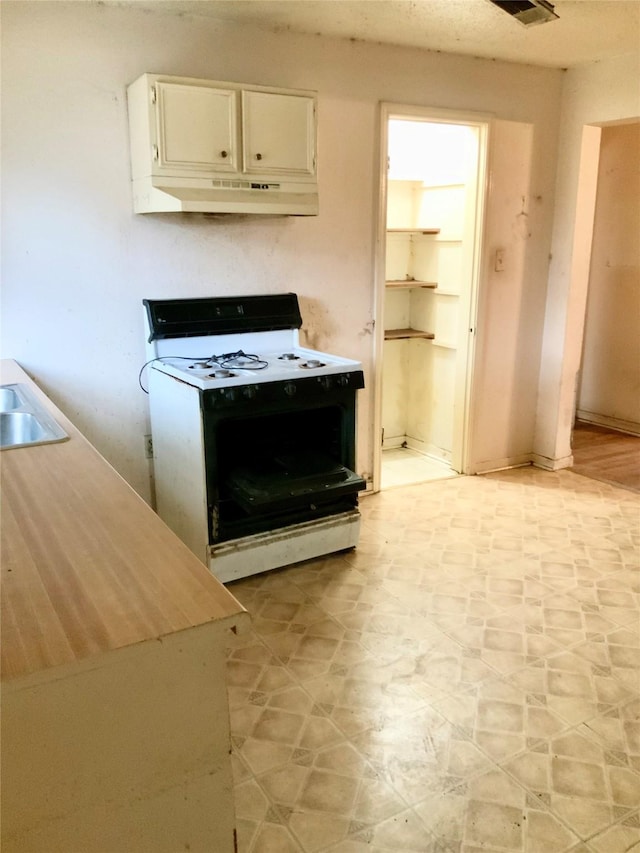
[[605, 440], [609, 375], [432, 200]]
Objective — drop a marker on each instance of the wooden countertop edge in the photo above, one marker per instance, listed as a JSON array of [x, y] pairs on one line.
[[113, 657], [87, 566]]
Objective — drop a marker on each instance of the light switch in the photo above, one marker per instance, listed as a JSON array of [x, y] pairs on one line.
[[499, 264]]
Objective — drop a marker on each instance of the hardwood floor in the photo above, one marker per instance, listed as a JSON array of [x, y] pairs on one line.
[[602, 454]]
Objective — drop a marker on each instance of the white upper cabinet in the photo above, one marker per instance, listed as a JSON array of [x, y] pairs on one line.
[[278, 133], [197, 129]]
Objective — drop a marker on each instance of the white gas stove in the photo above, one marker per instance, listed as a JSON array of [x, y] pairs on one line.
[[253, 435], [249, 364]]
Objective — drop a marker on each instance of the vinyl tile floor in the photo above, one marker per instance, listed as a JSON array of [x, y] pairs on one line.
[[465, 680]]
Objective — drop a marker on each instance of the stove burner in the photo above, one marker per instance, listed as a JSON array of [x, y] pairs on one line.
[[288, 356], [199, 365], [310, 363], [240, 360], [222, 374]]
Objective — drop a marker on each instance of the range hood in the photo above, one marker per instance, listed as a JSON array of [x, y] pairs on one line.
[[192, 195]]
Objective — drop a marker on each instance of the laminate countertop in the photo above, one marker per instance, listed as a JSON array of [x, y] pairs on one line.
[[87, 566]]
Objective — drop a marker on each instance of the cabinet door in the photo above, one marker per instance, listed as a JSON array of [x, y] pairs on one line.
[[279, 133], [196, 129]]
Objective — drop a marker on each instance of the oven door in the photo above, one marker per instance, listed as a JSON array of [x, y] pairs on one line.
[[277, 459]]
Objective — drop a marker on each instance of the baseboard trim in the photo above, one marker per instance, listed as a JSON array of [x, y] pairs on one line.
[[394, 442], [431, 451], [548, 464], [492, 465], [617, 424]]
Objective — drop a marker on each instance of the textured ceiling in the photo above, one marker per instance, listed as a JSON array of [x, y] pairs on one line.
[[586, 30]]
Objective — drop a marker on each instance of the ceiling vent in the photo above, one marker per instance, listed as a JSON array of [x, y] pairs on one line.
[[528, 12]]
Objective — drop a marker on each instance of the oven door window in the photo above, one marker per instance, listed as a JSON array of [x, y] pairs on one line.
[[287, 480], [269, 470]]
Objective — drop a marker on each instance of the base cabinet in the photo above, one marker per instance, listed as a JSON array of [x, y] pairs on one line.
[[128, 752], [114, 710]]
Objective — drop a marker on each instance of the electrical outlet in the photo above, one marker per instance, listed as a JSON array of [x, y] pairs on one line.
[[148, 447]]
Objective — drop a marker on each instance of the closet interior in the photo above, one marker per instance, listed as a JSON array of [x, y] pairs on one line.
[[427, 216]]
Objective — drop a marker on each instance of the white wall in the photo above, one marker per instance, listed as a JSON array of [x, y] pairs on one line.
[[609, 390], [511, 303], [76, 262], [593, 94]]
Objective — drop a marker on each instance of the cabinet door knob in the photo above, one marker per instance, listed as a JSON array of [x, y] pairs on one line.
[[258, 156], [224, 154]]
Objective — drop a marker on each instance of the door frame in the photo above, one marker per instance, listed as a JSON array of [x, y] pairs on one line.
[[463, 391]]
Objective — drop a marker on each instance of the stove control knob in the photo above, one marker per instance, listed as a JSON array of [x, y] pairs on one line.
[[249, 391], [324, 382], [290, 388], [343, 379], [229, 394]]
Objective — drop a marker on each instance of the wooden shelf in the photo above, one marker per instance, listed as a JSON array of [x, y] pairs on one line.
[[401, 334], [410, 282], [413, 230]]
